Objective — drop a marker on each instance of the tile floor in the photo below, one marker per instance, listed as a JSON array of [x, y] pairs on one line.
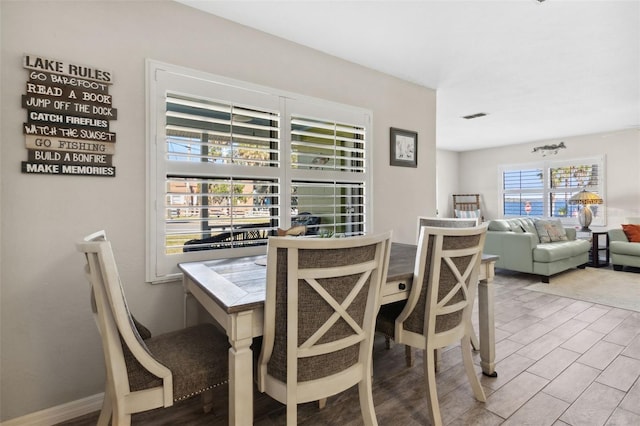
[[559, 362]]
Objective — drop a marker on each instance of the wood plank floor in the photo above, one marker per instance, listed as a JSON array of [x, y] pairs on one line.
[[559, 362]]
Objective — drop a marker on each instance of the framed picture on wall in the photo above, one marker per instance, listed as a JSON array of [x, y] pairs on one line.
[[403, 146]]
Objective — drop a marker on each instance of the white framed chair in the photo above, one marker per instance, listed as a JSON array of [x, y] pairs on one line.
[[144, 372], [467, 206], [443, 222], [438, 310], [319, 317], [450, 222]]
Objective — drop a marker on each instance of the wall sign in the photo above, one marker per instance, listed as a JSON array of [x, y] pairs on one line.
[[69, 109]]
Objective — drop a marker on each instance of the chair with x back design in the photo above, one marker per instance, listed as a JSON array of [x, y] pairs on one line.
[[438, 310], [320, 310]]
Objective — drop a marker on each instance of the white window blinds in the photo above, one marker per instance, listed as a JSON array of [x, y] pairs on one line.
[[231, 162], [323, 145], [544, 189], [522, 193], [213, 132]]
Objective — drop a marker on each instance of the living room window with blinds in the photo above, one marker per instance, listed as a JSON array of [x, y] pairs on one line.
[[544, 189], [231, 162]]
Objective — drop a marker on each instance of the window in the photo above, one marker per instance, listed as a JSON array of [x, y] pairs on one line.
[[544, 189], [230, 163], [327, 169]]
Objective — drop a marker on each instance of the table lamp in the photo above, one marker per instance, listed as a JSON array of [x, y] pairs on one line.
[[584, 199]]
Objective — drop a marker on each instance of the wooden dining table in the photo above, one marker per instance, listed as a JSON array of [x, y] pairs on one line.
[[233, 292]]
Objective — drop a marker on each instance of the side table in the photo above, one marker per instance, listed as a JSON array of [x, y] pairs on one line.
[[599, 255]]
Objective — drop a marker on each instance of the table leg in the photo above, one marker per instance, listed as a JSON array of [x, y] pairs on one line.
[[240, 369], [487, 326], [190, 314]]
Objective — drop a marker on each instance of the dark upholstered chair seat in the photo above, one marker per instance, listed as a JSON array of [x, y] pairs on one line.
[[194, 357]]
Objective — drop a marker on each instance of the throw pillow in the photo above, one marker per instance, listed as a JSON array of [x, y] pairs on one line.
[[557, 232], [632, 232], [467, 214], [550, 231]]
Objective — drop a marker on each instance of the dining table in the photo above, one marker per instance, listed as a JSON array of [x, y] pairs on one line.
[[233, 290]]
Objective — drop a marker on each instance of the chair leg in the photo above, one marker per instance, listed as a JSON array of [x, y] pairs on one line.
[[322, 403], [430, 379], [366, 401], [105, 413], [121, 419], [119, 414], [475, 343], [387, 342], [408, 355], [292, 413], [207, 401], [467, 360]]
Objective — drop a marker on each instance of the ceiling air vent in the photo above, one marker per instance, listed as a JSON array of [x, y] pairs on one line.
[[477, 115]]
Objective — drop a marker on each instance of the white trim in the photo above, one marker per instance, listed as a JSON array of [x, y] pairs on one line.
[[59, 413]]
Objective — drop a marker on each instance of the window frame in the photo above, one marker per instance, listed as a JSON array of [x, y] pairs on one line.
[[547, 187], [163, 78]]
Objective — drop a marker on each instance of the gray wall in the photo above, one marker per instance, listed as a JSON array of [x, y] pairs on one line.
[[447, 180], [50, 348]]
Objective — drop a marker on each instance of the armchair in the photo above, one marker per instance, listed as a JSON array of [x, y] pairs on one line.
[[624, 252]]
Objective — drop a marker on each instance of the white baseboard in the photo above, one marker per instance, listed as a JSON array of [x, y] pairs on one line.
[[60, 413]]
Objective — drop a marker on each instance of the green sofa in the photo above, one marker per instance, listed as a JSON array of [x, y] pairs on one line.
[[622, 251], [525, 247]]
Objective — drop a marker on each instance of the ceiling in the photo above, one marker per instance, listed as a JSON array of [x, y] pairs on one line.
[[541, 71]]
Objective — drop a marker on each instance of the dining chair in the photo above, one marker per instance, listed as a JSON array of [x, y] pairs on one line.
[[467, 206], [144, 372], [444, 222], [438, 310], [450, 222], [322, 298]]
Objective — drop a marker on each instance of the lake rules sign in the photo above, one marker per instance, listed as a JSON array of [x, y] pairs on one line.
[[68, 114]]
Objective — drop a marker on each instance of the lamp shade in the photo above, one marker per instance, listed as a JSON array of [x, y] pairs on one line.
[[585, 197]]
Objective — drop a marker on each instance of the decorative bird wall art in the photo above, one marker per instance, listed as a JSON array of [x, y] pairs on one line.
[[549, 149]]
